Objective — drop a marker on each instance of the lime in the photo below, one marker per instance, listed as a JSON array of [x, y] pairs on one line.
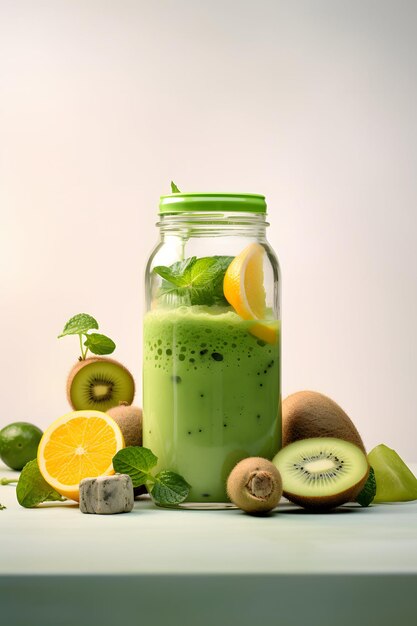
[[19, 444]]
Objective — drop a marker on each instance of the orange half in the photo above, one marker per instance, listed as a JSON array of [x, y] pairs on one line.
[[244, 289], [78, 445]]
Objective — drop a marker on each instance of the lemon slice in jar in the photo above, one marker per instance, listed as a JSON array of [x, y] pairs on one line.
[[244, 289]]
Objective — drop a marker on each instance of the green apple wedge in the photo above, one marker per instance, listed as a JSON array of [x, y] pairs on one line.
[[395, 482]]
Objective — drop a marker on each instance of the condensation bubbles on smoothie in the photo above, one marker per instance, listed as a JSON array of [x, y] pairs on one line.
[[183, 339]]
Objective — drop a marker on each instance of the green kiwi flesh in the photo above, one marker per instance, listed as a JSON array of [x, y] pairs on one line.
[[100, 384], [322, 473]]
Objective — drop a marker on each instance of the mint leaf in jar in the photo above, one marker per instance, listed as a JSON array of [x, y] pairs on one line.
[[169, 488], [194, 281], [177, 274]]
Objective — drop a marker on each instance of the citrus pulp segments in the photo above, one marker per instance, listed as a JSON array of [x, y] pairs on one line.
[[243, 283], [78, 445], [244, 289]]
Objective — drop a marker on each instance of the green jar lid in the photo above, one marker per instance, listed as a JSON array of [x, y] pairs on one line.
[[189, 202]]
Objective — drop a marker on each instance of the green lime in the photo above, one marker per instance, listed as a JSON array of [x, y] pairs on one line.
[[19, 444]]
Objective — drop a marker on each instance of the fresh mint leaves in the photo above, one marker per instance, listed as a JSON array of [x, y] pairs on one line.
[[166, 488], [136, 462], [32, 488], [99, 344], [169, 488], [174, 188], [79, 325], [368, 492], [2, 507], [194, 280]]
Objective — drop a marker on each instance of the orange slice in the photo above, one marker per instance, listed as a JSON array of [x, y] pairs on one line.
[[243, 288], [78, 445]]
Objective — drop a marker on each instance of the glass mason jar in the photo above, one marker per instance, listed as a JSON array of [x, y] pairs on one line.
[[211, 371]]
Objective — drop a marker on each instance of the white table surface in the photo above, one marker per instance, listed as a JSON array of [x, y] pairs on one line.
[[207, 567]]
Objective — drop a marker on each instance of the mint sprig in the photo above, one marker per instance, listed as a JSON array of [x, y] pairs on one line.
[[32, 489], [194, 281], [368, 492], [97, 343], [166, 488]]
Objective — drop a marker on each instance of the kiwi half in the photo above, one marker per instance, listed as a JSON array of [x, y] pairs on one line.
[[100, 384], [322, 473]]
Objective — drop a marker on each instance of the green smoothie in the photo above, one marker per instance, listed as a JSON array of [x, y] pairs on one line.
[[211, 395]]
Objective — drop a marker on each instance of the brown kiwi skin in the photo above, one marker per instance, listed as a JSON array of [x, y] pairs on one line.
[[326, 503], [123, 415], [239, 481], [307, 414], [82, 363]]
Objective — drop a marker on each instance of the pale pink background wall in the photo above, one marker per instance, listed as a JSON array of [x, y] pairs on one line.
[[311, 103]]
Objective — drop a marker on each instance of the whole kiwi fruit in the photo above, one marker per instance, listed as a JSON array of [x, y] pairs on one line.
[[308, 414], [255, 485], [129, 420]]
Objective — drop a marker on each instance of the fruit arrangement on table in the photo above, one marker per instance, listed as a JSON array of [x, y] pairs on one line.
[[322, 463], [94, 454]]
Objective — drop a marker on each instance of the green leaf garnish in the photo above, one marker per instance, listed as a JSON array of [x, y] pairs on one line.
[[194, 280], [169, 488], [79, 324], [166, 488], [178, 273], [136, 462], [32, 488], [2, 507], [368, 492], [174, 188], [99, 344]]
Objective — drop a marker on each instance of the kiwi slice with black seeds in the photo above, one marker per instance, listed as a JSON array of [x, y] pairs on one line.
[[100, 384], [322, 473]]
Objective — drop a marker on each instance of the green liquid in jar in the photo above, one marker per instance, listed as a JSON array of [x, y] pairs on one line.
[[211, 395]]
